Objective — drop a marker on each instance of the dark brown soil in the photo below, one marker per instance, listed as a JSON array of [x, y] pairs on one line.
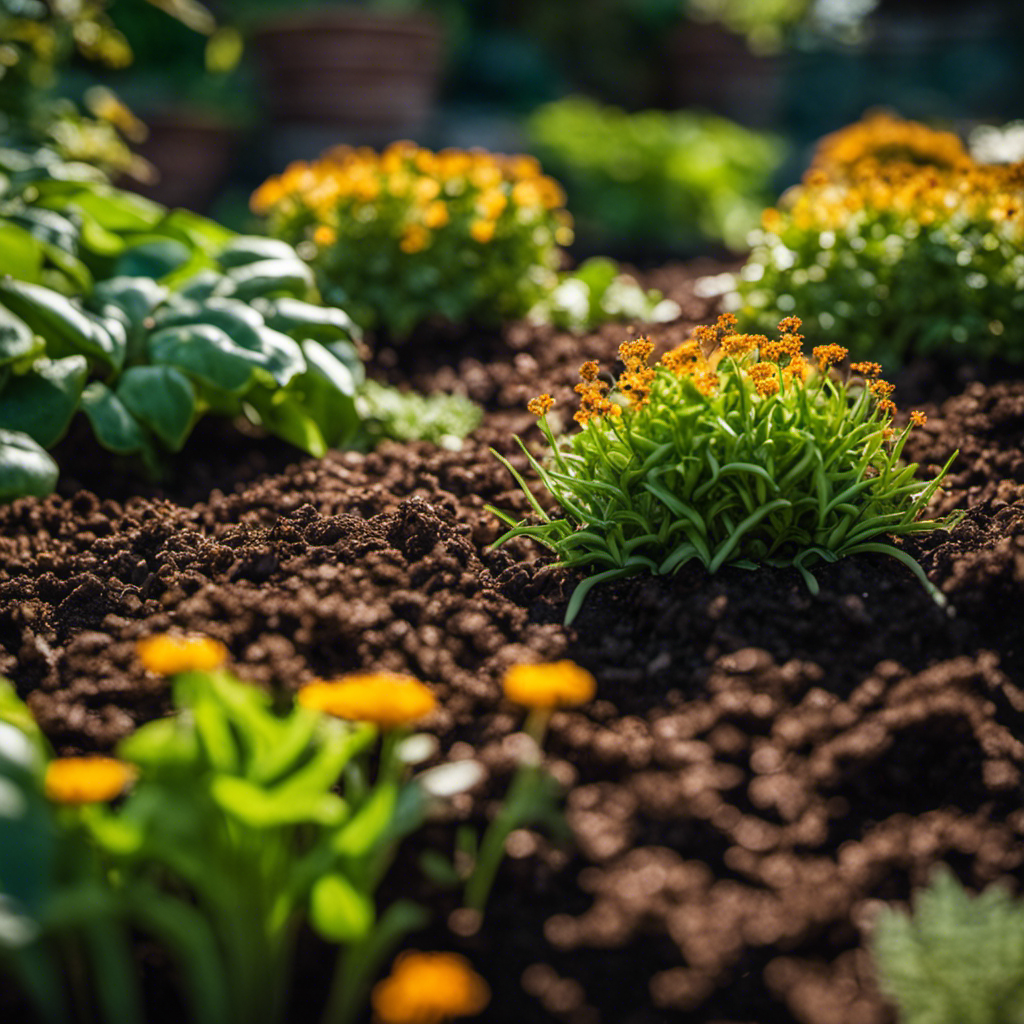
[[761, 769]]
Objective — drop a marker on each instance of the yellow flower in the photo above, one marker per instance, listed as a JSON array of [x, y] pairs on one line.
[[481, 231], [386, 699], [491, 204], [539, 406], [549, 684], [526, 194], [425, 190], [325, 236], [415, 239], [429, 988], [86, 780], [436, 214], [168, 655]]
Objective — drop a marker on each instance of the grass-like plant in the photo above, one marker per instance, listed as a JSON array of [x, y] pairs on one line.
[[406, 234], [732, 450], [896, 244]]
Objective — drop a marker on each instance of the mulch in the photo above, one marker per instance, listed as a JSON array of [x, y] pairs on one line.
[[763, 768]]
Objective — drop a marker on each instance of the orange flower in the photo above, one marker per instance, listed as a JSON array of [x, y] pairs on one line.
[[87, 780], [386, 699], [414, 239], [169, 655], [429, 988], [540, 405], [918, 418], [550, 684]]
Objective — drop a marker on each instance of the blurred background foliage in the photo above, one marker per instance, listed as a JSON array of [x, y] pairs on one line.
[[697, 111]]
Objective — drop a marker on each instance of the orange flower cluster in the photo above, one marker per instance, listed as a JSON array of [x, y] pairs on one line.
[[881, 139], [430, 184], [828, 355], [636, 380], [429, 988], [593, 392], [977, 192], [540, 405]]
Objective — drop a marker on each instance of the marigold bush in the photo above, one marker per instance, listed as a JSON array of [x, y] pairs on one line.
[[406, 234], [732, 450], [895, 244]]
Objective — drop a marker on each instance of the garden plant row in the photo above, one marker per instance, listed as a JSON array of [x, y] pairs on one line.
[[791, 727]]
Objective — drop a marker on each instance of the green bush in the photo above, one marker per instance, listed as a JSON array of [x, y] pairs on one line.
[[732, 450], [894, 254], [671, 180]]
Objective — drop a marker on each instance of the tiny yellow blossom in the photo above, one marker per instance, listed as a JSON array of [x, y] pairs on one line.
[[436, 215], [918, 418], [549, 684], [168, 655], [325, 236], [429, 988], [481, 231], [87, 780], [540, 405], [386, 699], [414, 239]]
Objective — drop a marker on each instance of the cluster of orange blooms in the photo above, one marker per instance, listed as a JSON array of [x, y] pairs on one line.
[[886, 165], [426, 183], [771, 365], [880, 138]]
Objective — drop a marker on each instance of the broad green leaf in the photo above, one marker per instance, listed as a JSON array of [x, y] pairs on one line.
[[162, 398], [206, 353], [339, 911], [284, 416], [328, 391], [116, 210], [161, 744], [17, 340], [151, 257], [247, 249], [25, 468], [271, 277], [42, 402], [21, 255], [201, 232], [305, 320], [70, 265], [66, 329], [114, 426]]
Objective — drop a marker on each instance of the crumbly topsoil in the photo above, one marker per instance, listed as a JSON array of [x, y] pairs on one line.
[[762, 769]]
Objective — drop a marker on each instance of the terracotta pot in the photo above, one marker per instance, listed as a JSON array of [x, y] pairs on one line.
[[192, 154], [713, 69], [350, 67]]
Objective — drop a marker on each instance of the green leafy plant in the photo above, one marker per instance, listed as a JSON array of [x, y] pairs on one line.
[[243, 824], [732, 450], [408, 234], [144, 360], [597, 292], [895, 250], [670, 180], [958, 959], [409, 416]]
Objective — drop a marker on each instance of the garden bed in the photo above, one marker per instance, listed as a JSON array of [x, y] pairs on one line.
[[760, 769]]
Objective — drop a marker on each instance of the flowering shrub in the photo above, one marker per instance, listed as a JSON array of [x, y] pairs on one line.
[[406, 234], [732, 450], [896, 243], [673, 180]]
